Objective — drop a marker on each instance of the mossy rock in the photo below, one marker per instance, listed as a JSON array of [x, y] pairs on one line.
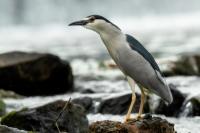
[[2, 107], [42, 119], [9, 94]]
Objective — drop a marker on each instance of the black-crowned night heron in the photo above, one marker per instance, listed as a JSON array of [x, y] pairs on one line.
[[137, 64]]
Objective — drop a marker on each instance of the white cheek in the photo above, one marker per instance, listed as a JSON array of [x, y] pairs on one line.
[[90, 26], [87, 26], [97, 25]]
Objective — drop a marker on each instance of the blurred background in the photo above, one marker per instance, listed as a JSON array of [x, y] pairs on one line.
[[167, 28]]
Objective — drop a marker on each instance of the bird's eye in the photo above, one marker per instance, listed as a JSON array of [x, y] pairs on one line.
[[91, 19]]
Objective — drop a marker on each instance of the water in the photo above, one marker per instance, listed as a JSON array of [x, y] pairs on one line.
[[39, 12], [42, 26], [170, 38], [167, 29]]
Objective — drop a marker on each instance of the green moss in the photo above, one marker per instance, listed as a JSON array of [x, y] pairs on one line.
[[2, 107], [13, 119], [8, 116]]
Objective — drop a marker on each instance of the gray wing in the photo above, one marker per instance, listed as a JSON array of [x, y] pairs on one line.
[[160, 88], [135, 45]]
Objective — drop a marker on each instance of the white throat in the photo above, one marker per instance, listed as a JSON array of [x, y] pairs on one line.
[[114, 42]]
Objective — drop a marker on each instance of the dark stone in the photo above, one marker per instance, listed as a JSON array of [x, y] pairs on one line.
[[174, 108], [86, 102], [87, 91], [6, 129], [191, 107], [35, 74], [120, 105], [185, 65], [150, 125], [42, 119]]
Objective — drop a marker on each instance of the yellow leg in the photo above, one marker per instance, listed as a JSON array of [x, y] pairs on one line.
[[143, 99], [132, 84]]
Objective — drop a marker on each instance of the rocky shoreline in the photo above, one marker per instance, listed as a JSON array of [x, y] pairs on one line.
[[33, 74]]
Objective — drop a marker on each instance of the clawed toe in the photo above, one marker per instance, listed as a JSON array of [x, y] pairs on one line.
[[133, 119], [139, 117], [129, 119]]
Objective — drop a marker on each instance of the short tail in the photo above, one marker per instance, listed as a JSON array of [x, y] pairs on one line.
[[168, 95], [162, 89]]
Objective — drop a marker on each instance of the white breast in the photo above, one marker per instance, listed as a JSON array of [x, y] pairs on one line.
[[115, 46]]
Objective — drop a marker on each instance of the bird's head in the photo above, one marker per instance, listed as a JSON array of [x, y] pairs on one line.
[[96, 23]]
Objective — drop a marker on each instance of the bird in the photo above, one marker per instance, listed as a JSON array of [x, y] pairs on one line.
[[132, 58]]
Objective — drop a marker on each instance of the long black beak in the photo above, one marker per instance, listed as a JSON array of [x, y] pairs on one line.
[[81, 22]]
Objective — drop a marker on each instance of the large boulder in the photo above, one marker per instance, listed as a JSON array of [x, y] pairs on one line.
[[175, 107], [42, 119], [120, 105], [35, 74], [185, 65]]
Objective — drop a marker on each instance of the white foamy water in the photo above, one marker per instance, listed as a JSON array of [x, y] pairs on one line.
[[164, 36]]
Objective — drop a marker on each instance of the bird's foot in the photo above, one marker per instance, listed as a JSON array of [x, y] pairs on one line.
[[132, 119], [138, 117], [129, 120]]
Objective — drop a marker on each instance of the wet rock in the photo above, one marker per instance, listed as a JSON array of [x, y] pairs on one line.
[[119, 105], [86, 102], [42, 119], [185, 65], [34, 74], [2, 107], [174, 108], [9, 94], [87, 91], [147, 125], [6, 129], [191, 107]]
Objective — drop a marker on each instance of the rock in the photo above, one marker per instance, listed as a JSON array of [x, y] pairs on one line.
[[191, 107], [185, 65], [87, 91], [42, 119], [6, 129], [2, 107], [146, 125], [9, 94], [86, 102], [34, 74], [174, 108], [119, 105]]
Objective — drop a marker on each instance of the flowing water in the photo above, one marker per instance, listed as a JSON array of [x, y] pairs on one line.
[[166, 28]]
